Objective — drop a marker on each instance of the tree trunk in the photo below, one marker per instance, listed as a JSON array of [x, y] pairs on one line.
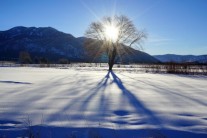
[[112, 57], [110, 66]]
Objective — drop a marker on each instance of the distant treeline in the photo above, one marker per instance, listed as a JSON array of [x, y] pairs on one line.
[[25, 58], [174, 68]]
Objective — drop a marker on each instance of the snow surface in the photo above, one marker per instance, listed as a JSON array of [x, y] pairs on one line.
[[49, 102]]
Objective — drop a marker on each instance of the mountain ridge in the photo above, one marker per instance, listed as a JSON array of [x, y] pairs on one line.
[[52, 44], [182, 58]]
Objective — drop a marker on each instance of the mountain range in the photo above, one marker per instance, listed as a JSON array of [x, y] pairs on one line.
[[53, 45], [182, 58]]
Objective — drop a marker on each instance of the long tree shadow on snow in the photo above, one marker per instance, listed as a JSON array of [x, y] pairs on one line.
[[136, 103], [172, 94], [140, 109], [101, 86], [15, 82], [98, 92], [88, 97]]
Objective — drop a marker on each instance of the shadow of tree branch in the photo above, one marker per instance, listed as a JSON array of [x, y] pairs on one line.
[[137, 104]]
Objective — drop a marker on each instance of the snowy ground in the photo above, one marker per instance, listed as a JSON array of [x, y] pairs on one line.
[[49, 102]]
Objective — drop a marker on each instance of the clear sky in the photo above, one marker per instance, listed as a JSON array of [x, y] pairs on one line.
[[173, 26]]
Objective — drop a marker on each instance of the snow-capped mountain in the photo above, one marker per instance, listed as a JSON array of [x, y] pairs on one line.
[[52, 44], [182, 58]]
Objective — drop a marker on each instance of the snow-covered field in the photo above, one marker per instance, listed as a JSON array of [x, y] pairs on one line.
[[49, 102]]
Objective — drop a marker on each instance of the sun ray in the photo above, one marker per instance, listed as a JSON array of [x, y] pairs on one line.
[[90, 10], [111, 32]]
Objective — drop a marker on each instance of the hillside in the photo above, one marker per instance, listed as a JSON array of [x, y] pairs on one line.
[[53, 45], [182, 58], [42, 42]]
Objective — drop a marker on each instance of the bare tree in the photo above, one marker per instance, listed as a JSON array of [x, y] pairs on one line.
[[24, 57], [112, 34]]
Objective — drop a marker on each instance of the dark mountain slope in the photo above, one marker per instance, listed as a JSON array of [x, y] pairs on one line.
[[182, 58], [52, 44]]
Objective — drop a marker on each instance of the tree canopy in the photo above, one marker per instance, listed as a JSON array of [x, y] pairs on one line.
[[112, 34]]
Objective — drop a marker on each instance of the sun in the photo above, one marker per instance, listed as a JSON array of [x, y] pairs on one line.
[[111, 32]]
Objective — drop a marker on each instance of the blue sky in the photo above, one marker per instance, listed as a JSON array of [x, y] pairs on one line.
[[173, 26]]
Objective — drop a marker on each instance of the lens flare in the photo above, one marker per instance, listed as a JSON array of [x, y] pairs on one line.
[[111, 32]]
